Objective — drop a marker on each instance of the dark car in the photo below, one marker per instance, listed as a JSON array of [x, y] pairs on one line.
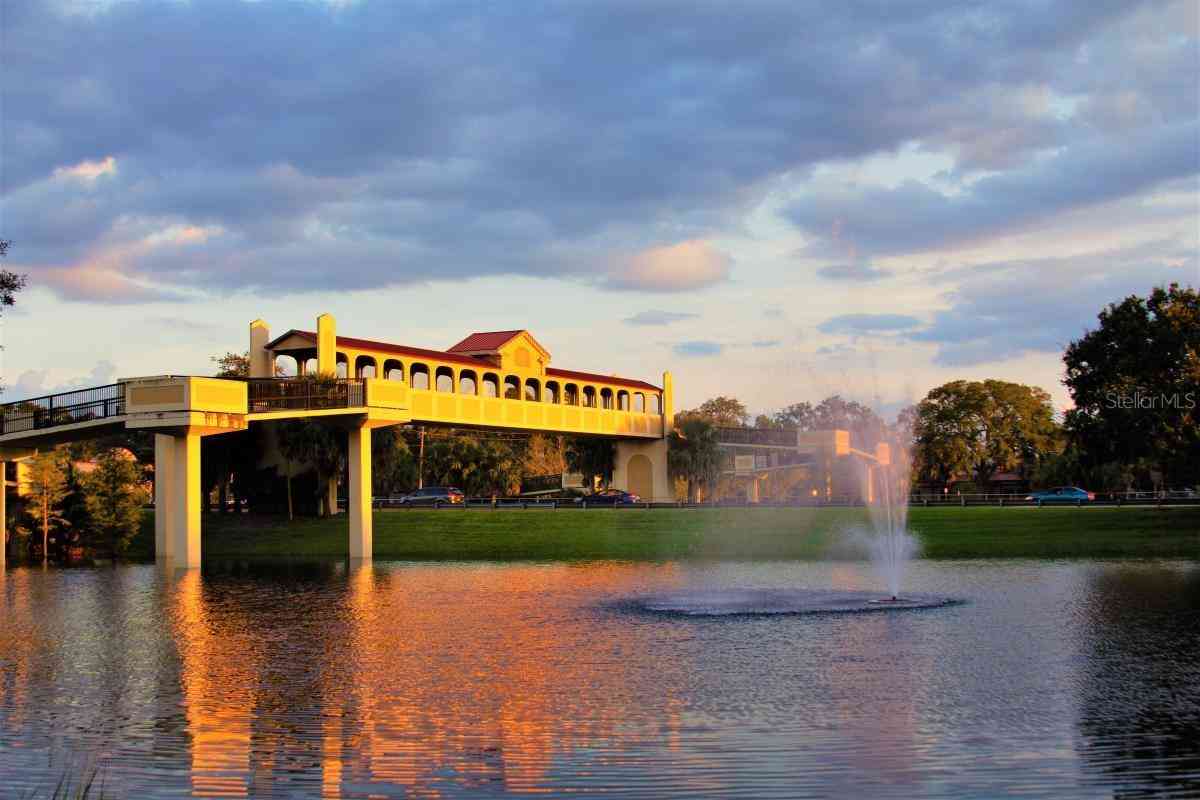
[[611, 497], [431, 495], [1062, 494]]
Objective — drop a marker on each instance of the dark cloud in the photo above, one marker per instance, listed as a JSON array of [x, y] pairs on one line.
[[860, 324], [1000, 311], [378, 143], [915, 217], [698, 349], [853, 272], [656, 317]]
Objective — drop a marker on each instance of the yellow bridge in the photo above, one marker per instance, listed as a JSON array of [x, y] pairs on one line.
[[499, 380]]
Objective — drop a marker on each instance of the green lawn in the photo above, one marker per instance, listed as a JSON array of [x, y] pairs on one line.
[[732, 533]]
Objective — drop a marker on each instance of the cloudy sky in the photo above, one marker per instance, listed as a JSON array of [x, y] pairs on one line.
[[775, 200]]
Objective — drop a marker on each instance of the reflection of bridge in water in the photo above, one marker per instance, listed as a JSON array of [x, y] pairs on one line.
[[498, 380]]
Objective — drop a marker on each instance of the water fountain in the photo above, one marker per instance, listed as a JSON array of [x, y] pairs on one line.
[[887, 542]]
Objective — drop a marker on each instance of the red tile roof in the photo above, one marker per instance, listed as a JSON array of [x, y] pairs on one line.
[[459, 358], [554, 372], [484, 341]]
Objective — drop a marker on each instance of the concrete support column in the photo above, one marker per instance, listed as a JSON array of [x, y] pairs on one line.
[[164, 462], [3, 514], [359, 457], [186, 501], [641, 467]]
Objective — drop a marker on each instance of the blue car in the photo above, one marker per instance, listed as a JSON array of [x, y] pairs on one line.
[[1062, 494]]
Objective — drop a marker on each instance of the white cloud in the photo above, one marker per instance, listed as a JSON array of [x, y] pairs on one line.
[[679, 267]]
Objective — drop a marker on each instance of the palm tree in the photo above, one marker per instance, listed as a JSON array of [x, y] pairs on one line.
[[693, 453]]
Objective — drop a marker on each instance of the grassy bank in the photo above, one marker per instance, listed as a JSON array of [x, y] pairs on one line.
[[767, 533]]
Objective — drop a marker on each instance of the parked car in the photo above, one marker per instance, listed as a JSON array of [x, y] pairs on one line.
[[431, 495], [610, 497], [1062, 494]]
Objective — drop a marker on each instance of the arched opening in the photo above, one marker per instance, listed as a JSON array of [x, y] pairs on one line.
[[287, 366], [639, 403], [571, 395], [533, 391], [550, 394], [393, 370], [512, 387], [309, 367], [606, 398], [622, 400], [444, 379], [467, 382], [491, 385], [589, 396], [655, 404], [365, 367], [419, 376], [641, 476], [343, 366]]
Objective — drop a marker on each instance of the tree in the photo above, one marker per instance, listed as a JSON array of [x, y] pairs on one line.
[[1135, 382], [307, 443], [46, 489], [114, 499], [479, 463], [10, 283], [797, 416], [726, 412], [590, 457], [693, 453], [393, 466], [233, 365], [979, 427]]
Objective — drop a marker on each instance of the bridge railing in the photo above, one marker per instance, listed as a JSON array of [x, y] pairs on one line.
[[779, 437], [303, 394], [63, 408]]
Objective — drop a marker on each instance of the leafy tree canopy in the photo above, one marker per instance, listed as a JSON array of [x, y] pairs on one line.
[[1135, 382]]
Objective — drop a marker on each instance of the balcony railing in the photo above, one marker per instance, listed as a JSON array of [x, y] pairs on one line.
[[64, 408], [777, 437], [303, 394]]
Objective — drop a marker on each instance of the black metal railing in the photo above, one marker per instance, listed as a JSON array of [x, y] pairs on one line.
[[64, 408], [778, 437], [303, 394]]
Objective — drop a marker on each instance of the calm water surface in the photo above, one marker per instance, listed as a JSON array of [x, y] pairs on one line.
[[398, 680]]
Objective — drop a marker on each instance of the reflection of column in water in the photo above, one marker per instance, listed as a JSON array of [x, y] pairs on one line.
[[470, 672], [219, 672]]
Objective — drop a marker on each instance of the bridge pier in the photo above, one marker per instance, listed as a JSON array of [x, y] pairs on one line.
[[185, 502], [641, 467], [3, 514], [359, 492], [164, 456]]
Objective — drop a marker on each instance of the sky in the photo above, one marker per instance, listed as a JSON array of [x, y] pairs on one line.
[[776, 201]]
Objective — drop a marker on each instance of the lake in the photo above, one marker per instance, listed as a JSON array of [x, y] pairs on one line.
[[400, 679]]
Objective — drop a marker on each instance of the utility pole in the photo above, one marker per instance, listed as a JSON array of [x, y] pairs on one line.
[[421, 460]]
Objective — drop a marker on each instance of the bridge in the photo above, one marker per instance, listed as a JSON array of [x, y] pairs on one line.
[[492, 380]]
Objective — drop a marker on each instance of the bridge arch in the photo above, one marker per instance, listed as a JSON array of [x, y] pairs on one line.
[[419, 375], [622, 400], [365, 367], [512, 387], [655, 404], [606, 398], [342, 367], [641, 476], [639, 403], [551, 392], [468, 382], [589, 396], [571, 394], [533, 390], [393, 370], [444, 379], [491, 385]]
